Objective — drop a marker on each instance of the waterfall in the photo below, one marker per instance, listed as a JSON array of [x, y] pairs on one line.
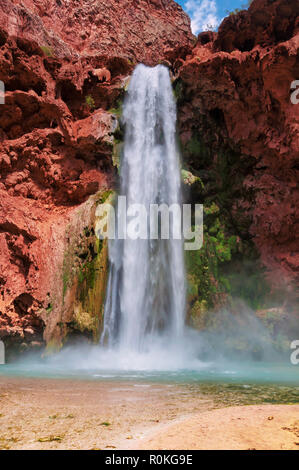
[[146, 287]]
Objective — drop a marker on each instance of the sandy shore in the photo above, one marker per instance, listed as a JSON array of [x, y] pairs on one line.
[[262, 427], [74, 414]]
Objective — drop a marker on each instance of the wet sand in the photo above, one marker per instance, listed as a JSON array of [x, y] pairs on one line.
[[74, 414]]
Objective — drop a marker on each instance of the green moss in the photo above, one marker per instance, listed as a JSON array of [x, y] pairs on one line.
[[116, 155], [194, 146], [117, 110], [118, 135], [227, 265], [190, 179], [66, 273], [53, 346], [91, 284], [218, 272], [202, 267], [89, 100], [118, 138], [103, 196], [207, 288], [86, 277], [131, 62], [84, 273], [179, 90], [196, 152], [85, 322], [48, 51], [49, 308]]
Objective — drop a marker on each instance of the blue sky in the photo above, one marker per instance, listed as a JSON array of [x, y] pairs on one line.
[[208, 12]]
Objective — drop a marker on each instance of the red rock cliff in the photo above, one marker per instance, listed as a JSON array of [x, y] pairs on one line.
[[64, 65], [235, 100], [137, 29]]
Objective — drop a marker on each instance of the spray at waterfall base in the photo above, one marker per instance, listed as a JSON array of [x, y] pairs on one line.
[[148, 229]]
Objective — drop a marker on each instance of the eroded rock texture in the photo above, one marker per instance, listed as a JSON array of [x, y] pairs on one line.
[[136, 29], [65, 66], [240, 130]]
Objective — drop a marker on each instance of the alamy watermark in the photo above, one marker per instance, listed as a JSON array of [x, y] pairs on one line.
[[2, 92], [2, 353], [295, 93], [295, 354], [139, 222]]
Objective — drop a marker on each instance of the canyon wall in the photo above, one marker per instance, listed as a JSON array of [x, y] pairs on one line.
[[138, 30], [240, 136], [65, 66]]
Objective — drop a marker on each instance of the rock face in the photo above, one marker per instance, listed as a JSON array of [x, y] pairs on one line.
[[136, 29], [240, 130], [56, 144], [265, 24], [65, 67]]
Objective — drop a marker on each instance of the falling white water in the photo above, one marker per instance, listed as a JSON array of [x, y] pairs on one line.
[[146, 288]]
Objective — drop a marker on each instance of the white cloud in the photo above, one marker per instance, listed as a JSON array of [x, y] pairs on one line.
[[203, 13]]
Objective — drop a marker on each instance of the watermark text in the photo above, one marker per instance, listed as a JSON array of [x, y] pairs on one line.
[[295, 354], [295, 93], [2, 92], [138, 222]]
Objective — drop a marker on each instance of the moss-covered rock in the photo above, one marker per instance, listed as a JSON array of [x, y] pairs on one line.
[[78, 309], [190, 179], [207, 289], [227, 266]]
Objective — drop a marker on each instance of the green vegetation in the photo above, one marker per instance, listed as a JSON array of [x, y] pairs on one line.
[[237, 10], [227, 266], [116, 155], [117, 110], [196, 151], [236, 394], [190, 179], [49, 308], [90, 102], [118, 135], [206, 285], [48, 51], [84, 275], [53, 346], [103, 196], [178, 89], [131, 62]]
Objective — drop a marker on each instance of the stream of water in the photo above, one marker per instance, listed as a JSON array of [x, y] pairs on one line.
[[146, 287]]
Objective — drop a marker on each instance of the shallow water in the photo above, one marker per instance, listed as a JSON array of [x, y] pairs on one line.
[[228, 385], [242, 374]]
